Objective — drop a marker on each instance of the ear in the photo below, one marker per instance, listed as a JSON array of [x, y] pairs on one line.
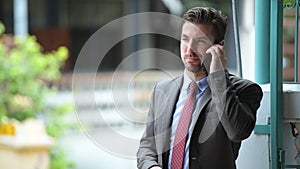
[[222, 42]]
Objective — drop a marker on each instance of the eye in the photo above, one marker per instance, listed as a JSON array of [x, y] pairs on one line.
[[202, 41], [185, 39]]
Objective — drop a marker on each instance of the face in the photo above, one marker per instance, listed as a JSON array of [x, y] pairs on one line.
[[195, 40]]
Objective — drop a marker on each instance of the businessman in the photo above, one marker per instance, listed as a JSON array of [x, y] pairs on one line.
[[199, 119]]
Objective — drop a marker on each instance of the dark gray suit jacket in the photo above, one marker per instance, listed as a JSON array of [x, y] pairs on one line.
[[225, 116]]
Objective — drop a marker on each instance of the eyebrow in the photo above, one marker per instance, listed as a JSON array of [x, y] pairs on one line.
[[198, 38], [184, 35], [202, 37]]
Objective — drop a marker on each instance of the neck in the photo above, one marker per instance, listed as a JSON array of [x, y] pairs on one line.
[[195, 76]]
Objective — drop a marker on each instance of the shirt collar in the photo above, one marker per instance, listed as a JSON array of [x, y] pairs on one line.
[[202, 83]]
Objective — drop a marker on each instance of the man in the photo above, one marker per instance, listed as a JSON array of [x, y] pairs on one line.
[[198, 120]]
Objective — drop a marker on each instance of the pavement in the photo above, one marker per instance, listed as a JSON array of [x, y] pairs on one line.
[[87, 150]]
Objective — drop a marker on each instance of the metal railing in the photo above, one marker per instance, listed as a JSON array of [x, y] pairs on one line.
[[292, 6], [269, 56]]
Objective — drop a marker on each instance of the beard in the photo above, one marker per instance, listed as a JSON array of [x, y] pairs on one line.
[[194, 68]]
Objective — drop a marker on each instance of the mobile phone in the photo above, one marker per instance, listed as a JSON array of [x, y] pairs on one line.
[[205, 63]]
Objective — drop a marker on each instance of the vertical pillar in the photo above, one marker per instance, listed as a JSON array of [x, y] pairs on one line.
[[21, 18], [262, 41], [52, 13], [132, 44], [236, 36], [296, 47], [138, 42], [145, 42], [276, 140]]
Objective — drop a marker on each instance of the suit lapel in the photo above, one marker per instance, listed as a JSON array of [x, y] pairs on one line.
[[171, 103], [170, 107], [166, 121], [172, 99]]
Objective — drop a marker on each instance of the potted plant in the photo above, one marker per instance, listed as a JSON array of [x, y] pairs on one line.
[[25, 75]]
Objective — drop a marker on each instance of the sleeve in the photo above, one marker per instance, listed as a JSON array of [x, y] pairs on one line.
[[147, 154], [236, 104]]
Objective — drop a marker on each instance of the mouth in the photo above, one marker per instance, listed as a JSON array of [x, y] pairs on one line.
[[192, 57]]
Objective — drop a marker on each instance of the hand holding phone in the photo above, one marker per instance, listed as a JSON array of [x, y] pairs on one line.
[[205, 63], [218, 63]]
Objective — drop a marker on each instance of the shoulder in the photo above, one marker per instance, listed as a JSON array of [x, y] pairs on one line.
[[175, 82], [239, 81], [242, 84]]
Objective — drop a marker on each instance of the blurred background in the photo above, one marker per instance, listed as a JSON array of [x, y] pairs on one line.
[[72, 22], [88, 121]]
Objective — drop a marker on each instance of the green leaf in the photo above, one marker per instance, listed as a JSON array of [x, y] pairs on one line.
[[2, 28]]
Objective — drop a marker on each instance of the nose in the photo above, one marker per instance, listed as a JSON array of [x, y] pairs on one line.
[[190, 47]]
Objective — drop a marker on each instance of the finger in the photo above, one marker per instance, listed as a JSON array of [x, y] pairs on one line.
[[216, 47], [219, 60], [219, 50]]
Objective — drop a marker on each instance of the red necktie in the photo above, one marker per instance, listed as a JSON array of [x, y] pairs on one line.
[[182, 128]]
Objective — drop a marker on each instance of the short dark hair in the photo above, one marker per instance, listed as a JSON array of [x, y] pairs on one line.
[[208, 15]]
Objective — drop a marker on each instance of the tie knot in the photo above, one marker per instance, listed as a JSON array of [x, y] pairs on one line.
[[193, 87]]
